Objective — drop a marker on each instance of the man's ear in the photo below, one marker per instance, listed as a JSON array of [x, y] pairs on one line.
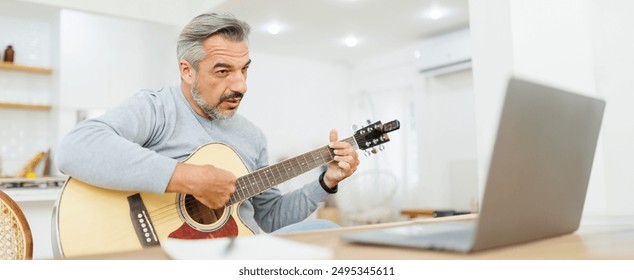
[[187, 71]]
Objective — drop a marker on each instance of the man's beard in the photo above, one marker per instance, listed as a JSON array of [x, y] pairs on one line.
[[214, 112]]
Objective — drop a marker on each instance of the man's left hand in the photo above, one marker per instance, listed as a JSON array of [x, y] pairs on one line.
[[345, 161]]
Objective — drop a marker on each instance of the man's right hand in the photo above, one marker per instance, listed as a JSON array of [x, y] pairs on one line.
[[210, 185]]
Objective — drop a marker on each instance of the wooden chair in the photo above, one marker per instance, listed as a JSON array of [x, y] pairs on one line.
[[16, 241]]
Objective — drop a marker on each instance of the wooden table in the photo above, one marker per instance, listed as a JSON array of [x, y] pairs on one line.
[[608, 241]]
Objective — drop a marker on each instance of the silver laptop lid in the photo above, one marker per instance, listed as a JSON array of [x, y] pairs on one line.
[[540, 166]]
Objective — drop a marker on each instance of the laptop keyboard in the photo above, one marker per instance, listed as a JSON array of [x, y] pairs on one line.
[[443, 236]]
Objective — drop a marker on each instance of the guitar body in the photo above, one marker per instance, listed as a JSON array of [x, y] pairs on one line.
[[94, 220]]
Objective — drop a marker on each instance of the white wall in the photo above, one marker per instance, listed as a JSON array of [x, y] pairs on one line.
[[107, 59], [583, 46], [609, 24], [433, 155], [448, 142], [492, 63]]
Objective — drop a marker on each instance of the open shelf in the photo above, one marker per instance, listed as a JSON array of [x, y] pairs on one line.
[[25, 106], [17, 67]]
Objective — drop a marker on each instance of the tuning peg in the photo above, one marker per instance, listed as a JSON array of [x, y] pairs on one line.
[[367, 153], [368, 121], [355, 127], [374, 150], [381, 148]]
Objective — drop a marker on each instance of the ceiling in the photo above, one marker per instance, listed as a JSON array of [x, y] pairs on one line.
[[316, 29]]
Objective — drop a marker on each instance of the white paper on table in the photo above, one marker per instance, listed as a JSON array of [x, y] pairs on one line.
[[257, 247]]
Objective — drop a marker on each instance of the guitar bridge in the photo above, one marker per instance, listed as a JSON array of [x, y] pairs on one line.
[[141, 222]]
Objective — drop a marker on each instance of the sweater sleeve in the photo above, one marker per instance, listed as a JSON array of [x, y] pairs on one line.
[[109, 151]]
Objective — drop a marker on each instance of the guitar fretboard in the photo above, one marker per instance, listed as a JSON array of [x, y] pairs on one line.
[[262, 179]]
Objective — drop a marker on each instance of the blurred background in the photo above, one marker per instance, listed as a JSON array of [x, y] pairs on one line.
[[439, 67]]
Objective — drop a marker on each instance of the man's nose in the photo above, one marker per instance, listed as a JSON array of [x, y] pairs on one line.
[[239, 83]]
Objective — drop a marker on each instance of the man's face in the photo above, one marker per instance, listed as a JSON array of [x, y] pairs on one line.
[[218, 86]]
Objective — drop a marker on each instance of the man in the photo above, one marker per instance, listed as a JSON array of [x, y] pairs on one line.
[[140, 144]]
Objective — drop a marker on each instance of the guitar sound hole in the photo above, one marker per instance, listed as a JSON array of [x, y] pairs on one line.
[[201, 213]]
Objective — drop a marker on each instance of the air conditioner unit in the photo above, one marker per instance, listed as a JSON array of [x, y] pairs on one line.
[[444, 54]]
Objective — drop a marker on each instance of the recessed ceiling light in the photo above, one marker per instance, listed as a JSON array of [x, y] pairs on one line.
[[274, 28], [351, 41], [435, 13]]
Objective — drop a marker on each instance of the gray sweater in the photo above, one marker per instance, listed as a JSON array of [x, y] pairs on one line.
[[136, 146]]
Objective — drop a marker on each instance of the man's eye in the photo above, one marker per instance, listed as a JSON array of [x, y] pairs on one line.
[[222, 71]]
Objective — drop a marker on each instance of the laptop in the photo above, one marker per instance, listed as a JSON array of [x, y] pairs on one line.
[[537, 180]]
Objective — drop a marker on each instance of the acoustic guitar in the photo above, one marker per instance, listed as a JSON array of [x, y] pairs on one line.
[[94, 220]]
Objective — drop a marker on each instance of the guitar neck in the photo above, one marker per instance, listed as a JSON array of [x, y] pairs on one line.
[[262, 179]]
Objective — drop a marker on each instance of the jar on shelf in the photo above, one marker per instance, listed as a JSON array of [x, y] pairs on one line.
[[9, 54]]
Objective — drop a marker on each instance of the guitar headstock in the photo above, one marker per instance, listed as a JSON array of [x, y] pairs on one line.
[[375, 134]]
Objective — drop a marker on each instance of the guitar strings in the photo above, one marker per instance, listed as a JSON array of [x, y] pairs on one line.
[[245, 188]]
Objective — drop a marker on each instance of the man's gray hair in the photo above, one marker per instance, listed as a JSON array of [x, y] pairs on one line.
[[190, 41]]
